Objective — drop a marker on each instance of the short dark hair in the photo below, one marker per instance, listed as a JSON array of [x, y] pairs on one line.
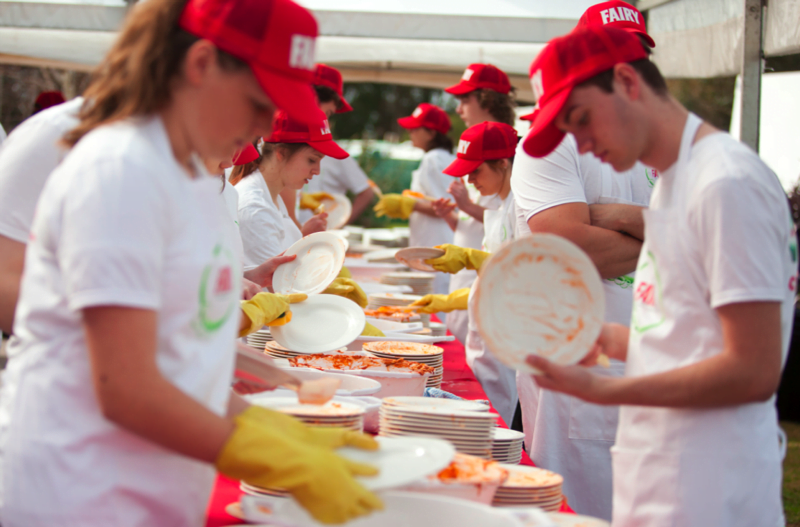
[[644, 67], [288, 150], [325, 94], [440, 140], [500, 105]]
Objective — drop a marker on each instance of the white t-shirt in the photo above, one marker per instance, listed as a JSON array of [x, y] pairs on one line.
[[266, 229], [27, 158], [336, 176], [231, 198], [120, 223], [3, 134], [719, 231], [565, 176]]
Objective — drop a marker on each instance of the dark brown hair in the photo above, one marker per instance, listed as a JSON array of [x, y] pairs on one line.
[[500, 105], [325, 94], [496, 164], [136, 75], [644, 67], [288, 150], [440, 140]]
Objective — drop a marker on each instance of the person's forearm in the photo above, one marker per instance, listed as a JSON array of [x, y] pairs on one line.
[[360, 203], [12, 262], [715, 382], [425, 207], [236, 405], [613, 253], [133, 393], [631, 221], [473, 209]]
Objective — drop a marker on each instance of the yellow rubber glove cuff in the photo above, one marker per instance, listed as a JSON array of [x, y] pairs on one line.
[[371, 331], [265, 455], [456, 300], [457, 258], [348, 288], [266, 308], [311, 201], [344, 273], [395, 206]]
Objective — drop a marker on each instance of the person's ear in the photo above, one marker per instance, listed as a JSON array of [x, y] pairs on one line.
[[627, 81], [200, 58]]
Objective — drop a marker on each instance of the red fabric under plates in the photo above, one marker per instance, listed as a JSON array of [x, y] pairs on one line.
[[458, 379]]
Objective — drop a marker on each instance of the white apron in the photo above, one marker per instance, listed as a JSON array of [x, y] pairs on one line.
[[468, 233], [688, 467], [497, 379]]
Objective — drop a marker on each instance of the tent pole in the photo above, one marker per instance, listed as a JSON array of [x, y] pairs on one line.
[[752, 68]]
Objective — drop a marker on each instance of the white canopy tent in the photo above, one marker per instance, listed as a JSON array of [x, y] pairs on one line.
[[415, 42]]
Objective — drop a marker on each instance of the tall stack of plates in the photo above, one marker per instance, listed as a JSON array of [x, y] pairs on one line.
[[530, 486], [273, 349], [433, 356], [421, 283], [507, 445], [259, 339], [469, 431], [377, 300]]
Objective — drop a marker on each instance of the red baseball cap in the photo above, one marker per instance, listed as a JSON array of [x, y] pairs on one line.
[[617, 14], [331, 78], [427, 116], [245, 155], [478, 76], [480, 143], [318, 136], [275, 37], [566, 62], [529, 116]]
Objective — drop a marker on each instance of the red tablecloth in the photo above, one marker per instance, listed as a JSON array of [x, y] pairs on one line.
[[458, 379]]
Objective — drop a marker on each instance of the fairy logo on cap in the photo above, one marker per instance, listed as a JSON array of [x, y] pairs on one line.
[[326, 128], [302, 52], [536, 84], [619, 14], [468, 73], [463, 146], [417, 112]]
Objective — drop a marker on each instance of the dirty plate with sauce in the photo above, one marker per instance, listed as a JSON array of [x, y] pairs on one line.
[[320, 257]]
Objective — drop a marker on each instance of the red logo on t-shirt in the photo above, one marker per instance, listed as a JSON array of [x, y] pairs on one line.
[[224, 281], [646, 293], [792, 283]]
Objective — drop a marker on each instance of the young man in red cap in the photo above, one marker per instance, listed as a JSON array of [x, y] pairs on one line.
[[484, 95], [337, 176], [697, 443], [579, 197]]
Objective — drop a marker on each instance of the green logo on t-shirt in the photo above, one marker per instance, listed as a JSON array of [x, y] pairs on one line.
[[218, 293], [625, 281], [652, 175]]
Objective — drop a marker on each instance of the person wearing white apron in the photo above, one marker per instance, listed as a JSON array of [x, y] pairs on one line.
[[289, 159], [485, 155], [484, 93], [427, 126], [115, 402], [697, 443], [579, 197]]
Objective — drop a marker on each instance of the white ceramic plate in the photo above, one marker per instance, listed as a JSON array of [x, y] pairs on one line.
[[319, 259], [382, 256], [450, 404], [339, 209], [415, 257], [540, 294], [401, 460], [320, 324]]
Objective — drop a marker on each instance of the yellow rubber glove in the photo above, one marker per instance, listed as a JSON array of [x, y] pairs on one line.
[[458, 299], [348, 288], [457, 258], [344, 273], [312, 201], [371, 331], [322, 482], [268, 309], [395, 206]]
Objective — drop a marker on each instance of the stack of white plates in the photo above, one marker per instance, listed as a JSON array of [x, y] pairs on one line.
[[421, 283], [377, 300], [433, 356], [273, 349], [530, 486], [507, 445], [259, 339], [469, 431], [252, 490], [438, 329], [331, 414]]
